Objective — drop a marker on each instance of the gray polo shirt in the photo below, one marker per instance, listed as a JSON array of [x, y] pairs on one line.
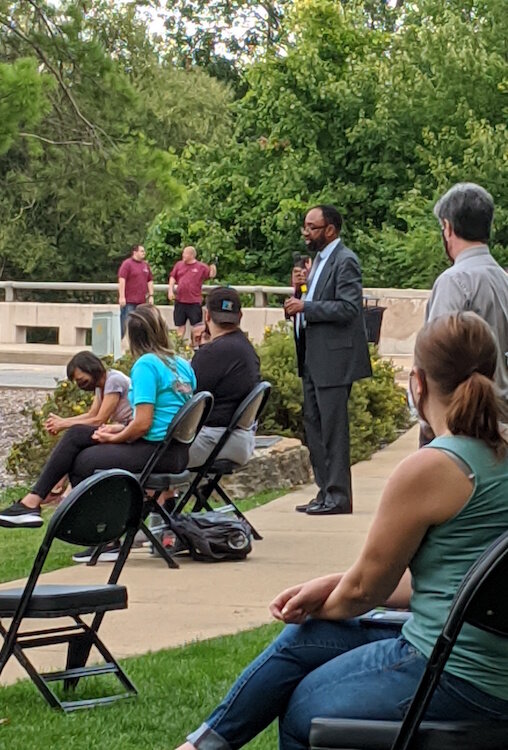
[[476, 282]]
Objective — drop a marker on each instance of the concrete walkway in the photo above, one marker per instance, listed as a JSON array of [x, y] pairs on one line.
[[171, 607]]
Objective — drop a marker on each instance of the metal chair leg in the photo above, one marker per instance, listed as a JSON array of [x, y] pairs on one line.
[[164, 553]]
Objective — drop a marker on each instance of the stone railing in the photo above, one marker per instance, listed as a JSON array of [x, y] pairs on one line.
[[402, 320], [259, 293]]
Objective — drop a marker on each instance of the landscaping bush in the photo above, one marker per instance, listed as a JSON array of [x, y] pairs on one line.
[[377, 409], [284, 411]]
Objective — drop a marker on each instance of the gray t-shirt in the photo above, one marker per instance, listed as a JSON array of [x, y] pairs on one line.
[[117, 382]]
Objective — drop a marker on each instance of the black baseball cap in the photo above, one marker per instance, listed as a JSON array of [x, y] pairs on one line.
[[224, 306]]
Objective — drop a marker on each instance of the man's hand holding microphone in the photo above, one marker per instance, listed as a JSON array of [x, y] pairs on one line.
[[294, 304]]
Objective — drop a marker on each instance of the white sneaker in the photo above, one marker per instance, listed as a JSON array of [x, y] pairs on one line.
[[18, 516], [108, 554]]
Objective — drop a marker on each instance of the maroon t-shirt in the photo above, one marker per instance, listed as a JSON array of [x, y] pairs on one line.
[[190, 277], [137, 274]]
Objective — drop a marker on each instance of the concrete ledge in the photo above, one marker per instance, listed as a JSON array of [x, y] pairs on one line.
[[38, 354]]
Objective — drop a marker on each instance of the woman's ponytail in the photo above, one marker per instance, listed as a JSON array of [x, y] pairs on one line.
[[474, 411], [458, 353]]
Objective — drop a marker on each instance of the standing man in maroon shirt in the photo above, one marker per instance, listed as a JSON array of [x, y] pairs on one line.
[[189, 273], [135, 284]]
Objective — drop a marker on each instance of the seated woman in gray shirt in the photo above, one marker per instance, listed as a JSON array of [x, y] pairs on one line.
[[110, 402], [111, 387]]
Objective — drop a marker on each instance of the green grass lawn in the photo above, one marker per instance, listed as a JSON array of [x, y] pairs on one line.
[[18, 546], [177, 690]]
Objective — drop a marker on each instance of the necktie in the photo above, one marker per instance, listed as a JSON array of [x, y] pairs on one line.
[[300, 317], [317, 261]]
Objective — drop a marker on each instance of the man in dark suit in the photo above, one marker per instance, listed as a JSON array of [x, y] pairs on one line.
[[332, 353]]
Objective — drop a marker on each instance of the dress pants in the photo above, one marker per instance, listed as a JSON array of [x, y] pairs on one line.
[[326, 422]]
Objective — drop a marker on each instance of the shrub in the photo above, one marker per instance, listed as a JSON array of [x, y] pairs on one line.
[[377, 408], [284, 410], [27, 457]]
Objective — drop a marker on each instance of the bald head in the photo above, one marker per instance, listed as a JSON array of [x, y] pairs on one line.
[[189, 254]]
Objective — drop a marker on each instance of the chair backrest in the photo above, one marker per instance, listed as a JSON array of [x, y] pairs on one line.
[[481, 601], [183, 429], [251, 407], [99, 510], [246, 414]]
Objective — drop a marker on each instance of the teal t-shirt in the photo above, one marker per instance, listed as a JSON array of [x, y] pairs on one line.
[[445, 556], [166, 386]]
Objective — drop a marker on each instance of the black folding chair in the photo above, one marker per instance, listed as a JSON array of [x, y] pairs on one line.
[[481, 601], [183, 429], [100, 509], [207, 477]]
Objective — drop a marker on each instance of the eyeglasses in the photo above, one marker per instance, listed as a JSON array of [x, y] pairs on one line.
[[312, 227]]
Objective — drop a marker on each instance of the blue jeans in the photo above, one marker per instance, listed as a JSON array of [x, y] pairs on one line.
[[124, 314], [334, 670]]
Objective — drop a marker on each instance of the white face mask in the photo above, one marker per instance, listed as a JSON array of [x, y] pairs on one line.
[[411, 403], [413, 409]]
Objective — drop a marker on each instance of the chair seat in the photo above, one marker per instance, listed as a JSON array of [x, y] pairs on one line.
[[351, 734], [164, 481], [59, 601]]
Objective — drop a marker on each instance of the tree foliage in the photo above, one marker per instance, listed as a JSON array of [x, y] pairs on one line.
[[96, 121], [111, 133], [378, 114]]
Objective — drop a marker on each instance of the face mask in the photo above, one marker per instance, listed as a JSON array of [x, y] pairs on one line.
[[411, 403], [413, 409]]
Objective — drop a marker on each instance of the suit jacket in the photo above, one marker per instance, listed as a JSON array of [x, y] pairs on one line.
[[333, 345]]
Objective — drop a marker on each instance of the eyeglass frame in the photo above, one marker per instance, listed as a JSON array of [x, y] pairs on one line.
[[312, 228]]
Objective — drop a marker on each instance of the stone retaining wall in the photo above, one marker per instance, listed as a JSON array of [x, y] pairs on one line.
[[284, 464]]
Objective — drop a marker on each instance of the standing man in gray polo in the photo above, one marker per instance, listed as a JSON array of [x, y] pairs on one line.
[[475, 281]]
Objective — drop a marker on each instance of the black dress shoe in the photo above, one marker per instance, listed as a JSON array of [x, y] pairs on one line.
[[324, 509], [304, 508]]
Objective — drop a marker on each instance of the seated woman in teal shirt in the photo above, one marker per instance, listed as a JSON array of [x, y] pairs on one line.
[[160, 384], [440, 509]]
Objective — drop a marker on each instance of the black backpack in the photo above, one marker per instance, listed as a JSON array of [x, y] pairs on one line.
[[213, 536]]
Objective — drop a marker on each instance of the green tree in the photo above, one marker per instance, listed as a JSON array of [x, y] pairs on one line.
[[23, 99], [85, 180], [378, 114]]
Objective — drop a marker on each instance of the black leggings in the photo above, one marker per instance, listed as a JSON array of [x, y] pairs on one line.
[[77, 455]]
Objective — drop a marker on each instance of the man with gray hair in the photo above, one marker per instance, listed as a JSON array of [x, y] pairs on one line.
[[475, 281]]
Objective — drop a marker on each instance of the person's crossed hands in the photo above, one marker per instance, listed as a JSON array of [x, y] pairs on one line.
[[304, 600], [107, 433], [54, 424]]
